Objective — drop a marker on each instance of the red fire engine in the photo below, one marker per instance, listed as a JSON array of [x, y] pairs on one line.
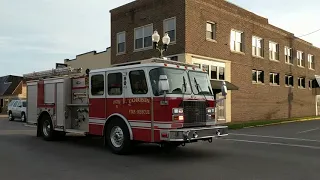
[[155, 101]]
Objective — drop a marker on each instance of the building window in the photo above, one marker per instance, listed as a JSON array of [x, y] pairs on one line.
[[211, 31], [302, 82], [143, 37], [300, 59], [288, 55], [115, 84], [273, 51], [289, 80], [257, 76], [138, 82], [97, 85], [310, 84], [236, 42], [274, 79], [169, 26], [311, 61], [121, 42], [257, 46], [215, 72]]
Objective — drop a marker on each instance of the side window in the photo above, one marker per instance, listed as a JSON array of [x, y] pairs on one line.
[[97, 85], [15, 104], [24, 104], [115, 84], [138, 82]]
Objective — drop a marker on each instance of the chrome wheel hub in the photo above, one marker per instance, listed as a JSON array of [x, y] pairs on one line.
[[116, 136], [46, 128]]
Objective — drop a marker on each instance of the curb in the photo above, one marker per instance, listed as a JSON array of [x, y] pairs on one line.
[[278, 123]]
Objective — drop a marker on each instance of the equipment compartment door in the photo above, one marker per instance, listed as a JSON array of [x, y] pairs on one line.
[[60, 104], [32, 97]]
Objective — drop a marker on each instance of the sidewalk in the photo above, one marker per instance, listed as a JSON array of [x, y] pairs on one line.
[[3, 116]]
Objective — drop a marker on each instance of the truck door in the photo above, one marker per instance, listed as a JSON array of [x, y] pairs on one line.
[[97, 101], [115, 92], [138, 103]]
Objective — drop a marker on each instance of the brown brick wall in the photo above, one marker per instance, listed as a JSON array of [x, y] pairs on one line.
[[252, 101], [140, 13]]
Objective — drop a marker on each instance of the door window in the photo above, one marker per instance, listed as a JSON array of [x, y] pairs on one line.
[[97, 85], [138, 82], [115, 84]]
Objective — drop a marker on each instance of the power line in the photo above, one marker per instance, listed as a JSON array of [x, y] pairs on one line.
[[309, 33]]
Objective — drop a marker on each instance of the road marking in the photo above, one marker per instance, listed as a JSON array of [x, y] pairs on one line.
[[273, 143], [307, 130], [275, 137]]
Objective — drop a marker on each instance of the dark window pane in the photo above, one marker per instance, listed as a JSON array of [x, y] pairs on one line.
[[277, 79], [260, 76], [254, 75], [97, 85], [115, 84], [214, 72], [271, 78], [148, 41], [172, 35], [139, 43], [121, 47], [138, 82]]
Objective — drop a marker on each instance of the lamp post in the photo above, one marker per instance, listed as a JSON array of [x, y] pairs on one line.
[[165, 42]]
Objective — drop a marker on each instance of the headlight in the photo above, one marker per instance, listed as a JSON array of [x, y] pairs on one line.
[[177, 111], [210, 110]]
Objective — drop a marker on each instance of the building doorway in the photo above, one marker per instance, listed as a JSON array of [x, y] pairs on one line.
[[221, 109]]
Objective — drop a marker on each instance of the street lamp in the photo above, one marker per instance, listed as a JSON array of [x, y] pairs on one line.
[[165, 42]]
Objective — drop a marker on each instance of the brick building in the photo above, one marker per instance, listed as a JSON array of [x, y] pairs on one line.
[[272, 68]]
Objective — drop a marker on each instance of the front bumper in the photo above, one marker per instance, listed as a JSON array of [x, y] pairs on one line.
[[193, 134]]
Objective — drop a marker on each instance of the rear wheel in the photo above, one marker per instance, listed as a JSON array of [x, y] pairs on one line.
[[117, 137], [46, 128]]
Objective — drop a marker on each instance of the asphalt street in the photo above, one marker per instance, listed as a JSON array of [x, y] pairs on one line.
[[281, 152]]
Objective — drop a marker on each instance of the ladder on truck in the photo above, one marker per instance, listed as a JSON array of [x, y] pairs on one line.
[[53, 73]]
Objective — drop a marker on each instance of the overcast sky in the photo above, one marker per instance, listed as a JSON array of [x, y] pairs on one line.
[[35, 34]]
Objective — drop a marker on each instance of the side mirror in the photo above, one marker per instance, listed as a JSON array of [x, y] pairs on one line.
[[224, 89], [163, 84]]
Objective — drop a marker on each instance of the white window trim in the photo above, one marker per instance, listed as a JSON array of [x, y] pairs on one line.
[[175, 28], [257, 76], [300, 81], [125, 42], [277, 45], [309, 61], [242, 43], [211, 63], [286, 76], [262, 46], [287, 50], [274, 79], [134, 40], [310, 86], [300, 60], [213, 24]]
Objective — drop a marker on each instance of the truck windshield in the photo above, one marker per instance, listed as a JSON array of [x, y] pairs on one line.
[[176, 77], [200, 83]]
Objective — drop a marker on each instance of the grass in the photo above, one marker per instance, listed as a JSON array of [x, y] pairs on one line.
[[240, 125]]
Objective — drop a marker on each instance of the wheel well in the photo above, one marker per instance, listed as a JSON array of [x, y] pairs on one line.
[[43, 114], [113, 118], [10, 111]]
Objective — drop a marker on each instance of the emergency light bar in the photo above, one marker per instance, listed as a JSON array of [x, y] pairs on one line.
[[52, 73]]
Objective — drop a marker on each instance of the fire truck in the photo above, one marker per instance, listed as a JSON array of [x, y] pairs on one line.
[[150, 101]]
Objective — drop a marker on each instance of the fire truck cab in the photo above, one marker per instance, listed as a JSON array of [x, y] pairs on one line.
[[154, 101]]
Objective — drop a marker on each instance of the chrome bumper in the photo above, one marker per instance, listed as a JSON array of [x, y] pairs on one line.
[[193, 134]]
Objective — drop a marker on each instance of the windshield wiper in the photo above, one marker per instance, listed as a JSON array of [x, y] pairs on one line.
[[199, 89]]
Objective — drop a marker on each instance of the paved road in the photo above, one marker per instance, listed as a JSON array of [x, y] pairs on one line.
[[283, 152]]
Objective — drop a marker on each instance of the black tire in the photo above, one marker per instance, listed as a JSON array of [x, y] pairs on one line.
[[48, 133], [10, 116], [23, 117], [125, 146]]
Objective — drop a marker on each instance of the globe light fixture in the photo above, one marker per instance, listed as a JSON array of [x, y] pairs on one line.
[[165, 42]]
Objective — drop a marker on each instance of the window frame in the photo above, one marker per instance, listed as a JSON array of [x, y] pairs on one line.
[[288, 76], [213, 32], [200, 65], [175, 28], [143, 37], [300, 79], [290, 50], [257, 76], [277, 58], [311, 57], [104, 85], [300, 60], [254, 52], [125, 42], [242, 47], [274, 74]]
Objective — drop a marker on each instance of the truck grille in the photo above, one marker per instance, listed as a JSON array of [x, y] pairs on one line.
[[194, 113]]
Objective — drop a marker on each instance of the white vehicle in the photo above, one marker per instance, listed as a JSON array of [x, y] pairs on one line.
[[17, 109]]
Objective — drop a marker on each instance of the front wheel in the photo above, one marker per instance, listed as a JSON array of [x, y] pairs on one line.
[[117, 137], [10, 116], [23, 117]]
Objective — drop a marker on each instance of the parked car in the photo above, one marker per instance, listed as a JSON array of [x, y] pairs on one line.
[[17, 109]]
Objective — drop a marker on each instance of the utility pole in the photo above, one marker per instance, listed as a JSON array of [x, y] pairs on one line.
[[290, 93]]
